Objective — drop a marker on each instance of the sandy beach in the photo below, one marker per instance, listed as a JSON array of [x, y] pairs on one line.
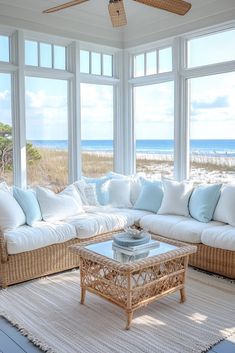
[[52, 169]]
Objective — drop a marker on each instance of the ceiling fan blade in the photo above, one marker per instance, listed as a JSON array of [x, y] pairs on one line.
[[64, 6], [117, 13], [179, 7]]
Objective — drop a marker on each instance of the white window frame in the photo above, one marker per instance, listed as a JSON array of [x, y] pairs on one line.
[[123, 83]]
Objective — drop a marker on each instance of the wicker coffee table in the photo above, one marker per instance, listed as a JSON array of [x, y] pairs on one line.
[[137, 282]]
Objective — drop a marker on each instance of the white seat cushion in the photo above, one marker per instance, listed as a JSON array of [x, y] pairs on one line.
[[26, 238], [98, 220], [176, 227], [222, 237]]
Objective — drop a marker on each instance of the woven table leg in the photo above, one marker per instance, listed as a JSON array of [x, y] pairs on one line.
[[82, 286], [129, 311], [182, 290]]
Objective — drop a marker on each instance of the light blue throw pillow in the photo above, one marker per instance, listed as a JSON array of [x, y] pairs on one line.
[[150, 197], [27, 200], [101, 190], [203, 201]]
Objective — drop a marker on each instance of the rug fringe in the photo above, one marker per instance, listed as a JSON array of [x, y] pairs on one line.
[[37, 342]]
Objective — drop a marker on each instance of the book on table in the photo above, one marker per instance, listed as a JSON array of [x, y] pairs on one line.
[[135, 250]]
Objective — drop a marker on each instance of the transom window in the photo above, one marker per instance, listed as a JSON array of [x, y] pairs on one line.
[[95, 63], [4, 48], [152, 62], [45, 55], [217, 48]]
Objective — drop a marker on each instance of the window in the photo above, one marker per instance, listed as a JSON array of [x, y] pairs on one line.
[[31, 53], [84, 61], [97, 129], [94, 63], [212, 128], [154, 129], [139, 63], [211, 49], [4, 48], [59, 57], [107, 65], [6, 143], [46, 131], [165, 60], [153, 62], [45, 55]]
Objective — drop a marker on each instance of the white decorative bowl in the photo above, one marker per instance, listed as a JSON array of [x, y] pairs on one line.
[[135, 233]]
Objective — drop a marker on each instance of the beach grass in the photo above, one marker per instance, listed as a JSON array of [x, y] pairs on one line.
[[52, 169]]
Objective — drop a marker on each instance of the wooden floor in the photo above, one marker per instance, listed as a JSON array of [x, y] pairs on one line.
[[11, 341]]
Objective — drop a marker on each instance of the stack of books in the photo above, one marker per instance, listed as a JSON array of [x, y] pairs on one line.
[[131, 253]]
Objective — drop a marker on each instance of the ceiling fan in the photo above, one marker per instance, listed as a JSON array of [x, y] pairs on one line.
[[117, 10]]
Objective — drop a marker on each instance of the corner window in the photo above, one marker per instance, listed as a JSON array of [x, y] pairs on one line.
[[47, 131], [96, 129], [154, 129], [212, 128]]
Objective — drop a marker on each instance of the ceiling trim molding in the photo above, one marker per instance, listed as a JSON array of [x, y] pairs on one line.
[[195, 25]]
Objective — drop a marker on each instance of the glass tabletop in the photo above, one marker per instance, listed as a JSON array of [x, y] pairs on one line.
[[127, 255]]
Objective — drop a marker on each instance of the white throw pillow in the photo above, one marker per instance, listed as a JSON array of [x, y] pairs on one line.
[[119, 193], [135, 183], [176, 198], [80, 186], [11, 214], [87, 193], [225, 209], [56, 207]]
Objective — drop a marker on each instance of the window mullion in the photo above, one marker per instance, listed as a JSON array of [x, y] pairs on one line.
[[18, 112], [75, 168]]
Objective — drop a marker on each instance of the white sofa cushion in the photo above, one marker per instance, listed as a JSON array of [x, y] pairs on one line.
[[98, 220], [225, 209], [222, 237], [56, 207], [28, 238], [175, 198], [129, 212], [176, 227], [11, 214]]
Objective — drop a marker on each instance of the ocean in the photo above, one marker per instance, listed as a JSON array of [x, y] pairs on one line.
[[200, 147]]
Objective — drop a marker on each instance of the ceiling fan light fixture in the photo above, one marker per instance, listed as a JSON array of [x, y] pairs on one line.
[[117, 13]]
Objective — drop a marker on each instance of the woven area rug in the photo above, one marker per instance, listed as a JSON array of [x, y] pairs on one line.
[[48, 312]]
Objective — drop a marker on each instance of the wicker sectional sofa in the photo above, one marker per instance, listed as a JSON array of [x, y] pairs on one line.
[[30, 252]]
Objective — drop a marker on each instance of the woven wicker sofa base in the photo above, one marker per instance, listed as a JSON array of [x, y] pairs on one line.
[[38, 263], [57, 258], [214, 260]]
